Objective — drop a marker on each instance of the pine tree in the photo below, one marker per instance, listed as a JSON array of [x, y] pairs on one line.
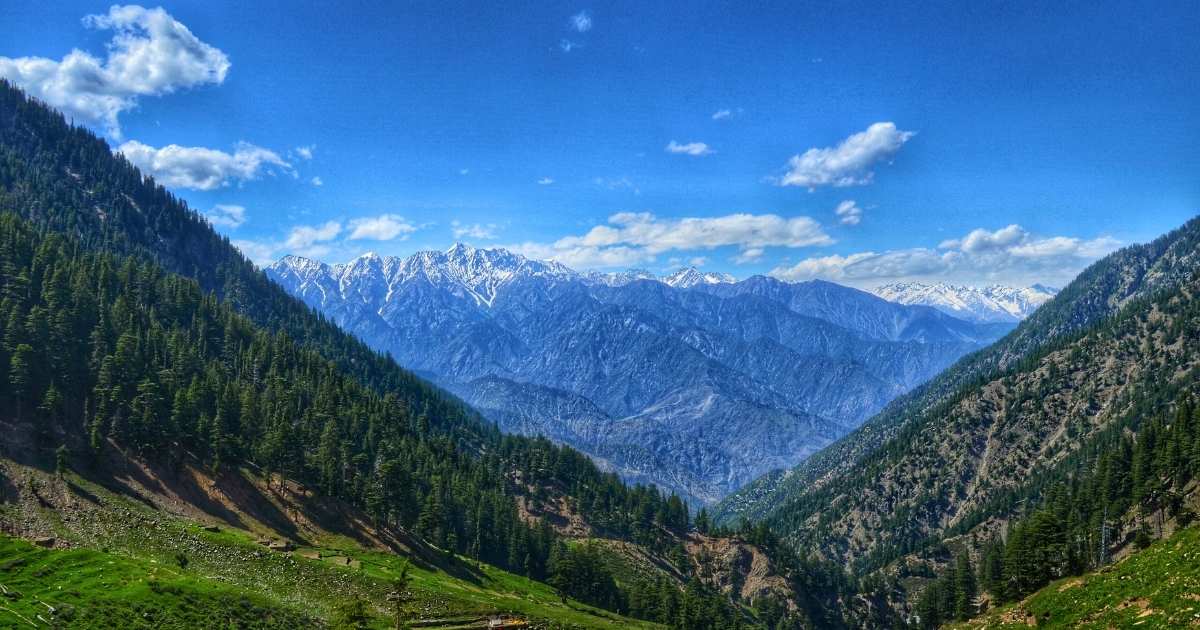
[[966, 590], [20, 374]]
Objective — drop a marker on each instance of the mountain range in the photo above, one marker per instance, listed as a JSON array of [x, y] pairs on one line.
[[695, 382], [994, 303]]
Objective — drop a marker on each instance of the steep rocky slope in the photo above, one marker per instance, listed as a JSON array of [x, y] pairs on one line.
[[1124, 333]]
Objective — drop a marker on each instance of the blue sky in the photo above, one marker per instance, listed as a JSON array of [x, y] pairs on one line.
[[972, 142]]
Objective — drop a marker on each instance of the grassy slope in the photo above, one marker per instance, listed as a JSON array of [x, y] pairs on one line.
[[230, 577], [1158, 587]]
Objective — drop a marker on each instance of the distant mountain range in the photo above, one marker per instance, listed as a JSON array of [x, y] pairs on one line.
[[993, 303], [695, 382]]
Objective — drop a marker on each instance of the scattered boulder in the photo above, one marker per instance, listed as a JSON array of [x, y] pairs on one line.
[[47, 541], [213, 529]]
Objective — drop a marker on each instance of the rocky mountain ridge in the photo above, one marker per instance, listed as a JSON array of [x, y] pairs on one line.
[[993, 303], [696, 383]]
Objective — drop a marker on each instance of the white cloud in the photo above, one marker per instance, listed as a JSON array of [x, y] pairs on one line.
[[545, 181], [631, 238], [567, 45], [1009, 255], [847, 164], [849, 213], [319, 241], [229, 216], [384, 227], [464, 171], [691, 148], [303, 237], [150, 54], [317, 181], [980, 240], [618, 183], [475, 230], [726, 114], [261, 254], [306, 152], [581, 22], [698, 261], [203, 168], [754, 254]]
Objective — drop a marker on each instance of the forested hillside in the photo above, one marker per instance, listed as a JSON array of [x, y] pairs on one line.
[[1098, 294], [1124, 491], [110, 356]]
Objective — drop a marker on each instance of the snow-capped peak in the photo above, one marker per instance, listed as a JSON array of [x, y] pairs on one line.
[[994, 303], [690, 276]]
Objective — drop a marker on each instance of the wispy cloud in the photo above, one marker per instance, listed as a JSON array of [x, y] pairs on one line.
[[567, 45], [637, 237], [317, 181], [848, 212], [691, 148], [847, 164], [305, 152], [229, 216], [150, 54], [201, 168], [618, 183], [726, 114], [1010, 255], [581, 22], [474, 230], [545, 181]]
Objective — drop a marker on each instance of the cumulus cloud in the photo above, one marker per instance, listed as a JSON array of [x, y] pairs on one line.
[[319, 241], [474, 230], [317, 181], [848, 212], [150, 54], [384, 227], [581, 22], [1009, 255], [691, 148], [202, 168], [229, 216], [847, 164], [306, 152], [637, 237], [303, 240], [302, 237]]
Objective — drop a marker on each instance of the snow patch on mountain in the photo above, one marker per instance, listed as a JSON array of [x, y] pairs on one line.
[[995, 303], [689, 277]]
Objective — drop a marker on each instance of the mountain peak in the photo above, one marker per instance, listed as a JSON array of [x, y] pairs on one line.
[[690, 276], [461, 249]]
